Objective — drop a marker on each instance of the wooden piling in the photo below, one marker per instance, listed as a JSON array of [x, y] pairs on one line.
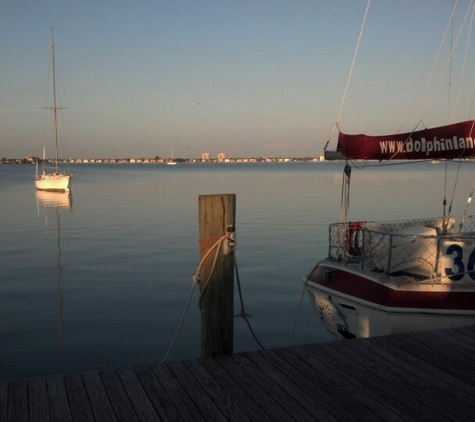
[[216, 219]]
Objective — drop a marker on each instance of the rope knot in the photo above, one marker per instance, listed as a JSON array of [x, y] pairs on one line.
[[230, 245], [243, 314]]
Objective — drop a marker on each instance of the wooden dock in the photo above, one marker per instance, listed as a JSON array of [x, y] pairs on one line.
[[426, 376]]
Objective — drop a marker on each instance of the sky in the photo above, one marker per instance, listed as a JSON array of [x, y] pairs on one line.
[[250, 78]]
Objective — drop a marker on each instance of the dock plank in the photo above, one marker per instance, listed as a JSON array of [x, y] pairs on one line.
[[17, 397], [383, 404], [58, 399], [457, 338], [404, 377], [423, 364], [230, 385], [203, 402], [325, 391], [79, 404], [307, 364], [266, 401], [283, 376], [429, 342], [185, 405], [100, 403], [120, 401], [465, 351], [395, 382], [432, 384], [3, 400], [157, 395], [219, 396], [139, 399], [267, 381], [412, 377], [467, 331], [38, 400]]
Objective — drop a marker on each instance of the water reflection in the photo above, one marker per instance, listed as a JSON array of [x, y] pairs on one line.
[[52, 203]]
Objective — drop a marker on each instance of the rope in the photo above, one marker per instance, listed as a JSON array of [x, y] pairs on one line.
[[229, 249], [243, 313], [181, 322], [297, 317], [217, 246], [196, 280]]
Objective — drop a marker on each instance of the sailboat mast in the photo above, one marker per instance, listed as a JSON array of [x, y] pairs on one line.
[[55, 109]]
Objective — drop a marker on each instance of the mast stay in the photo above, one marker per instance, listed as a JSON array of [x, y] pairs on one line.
[[55, 108]]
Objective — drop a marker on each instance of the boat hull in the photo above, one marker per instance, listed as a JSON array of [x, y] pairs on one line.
[[53, 182], [352, 304]]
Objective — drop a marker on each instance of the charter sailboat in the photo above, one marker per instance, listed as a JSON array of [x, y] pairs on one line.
[[384, 277], [53, 181]]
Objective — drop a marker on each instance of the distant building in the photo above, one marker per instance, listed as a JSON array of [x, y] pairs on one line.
[[205, 157], [221, 157]]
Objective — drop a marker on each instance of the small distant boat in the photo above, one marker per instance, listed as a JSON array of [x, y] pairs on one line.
[[53, 181], [172, 162]]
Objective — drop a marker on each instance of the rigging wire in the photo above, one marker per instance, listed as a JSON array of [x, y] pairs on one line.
[[464, 216], [444, 201], [462, 75], [431, 72], [449, 93], [345, 92], [345, 209], [447, 61], [457, 102], [453, 189], [345, 190], [470, 111], [345, 194]]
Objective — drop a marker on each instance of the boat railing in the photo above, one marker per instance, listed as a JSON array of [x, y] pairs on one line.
[[411, 246]]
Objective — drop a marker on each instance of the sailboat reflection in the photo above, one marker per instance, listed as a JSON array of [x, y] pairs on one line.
[[54, 201]]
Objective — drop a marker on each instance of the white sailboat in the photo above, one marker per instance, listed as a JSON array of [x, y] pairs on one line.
[[53, 181], [172, 162], [386, 277]]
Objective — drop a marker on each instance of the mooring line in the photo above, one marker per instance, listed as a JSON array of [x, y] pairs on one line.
[[230, 249]]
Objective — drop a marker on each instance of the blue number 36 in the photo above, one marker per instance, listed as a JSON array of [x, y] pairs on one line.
[[459, 266]]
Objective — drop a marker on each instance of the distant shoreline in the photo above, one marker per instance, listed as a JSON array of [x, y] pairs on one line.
[[34, 160]]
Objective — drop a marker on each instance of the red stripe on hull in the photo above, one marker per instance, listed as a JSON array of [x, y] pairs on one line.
[[360, 287]]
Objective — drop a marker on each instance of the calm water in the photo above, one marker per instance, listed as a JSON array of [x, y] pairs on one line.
[[101, 281]]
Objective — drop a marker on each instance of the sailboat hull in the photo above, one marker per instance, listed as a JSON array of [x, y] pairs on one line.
[[53, 182], [352, 303], [347, 317]]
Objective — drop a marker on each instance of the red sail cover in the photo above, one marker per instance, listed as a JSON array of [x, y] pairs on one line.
[[452, 141]]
